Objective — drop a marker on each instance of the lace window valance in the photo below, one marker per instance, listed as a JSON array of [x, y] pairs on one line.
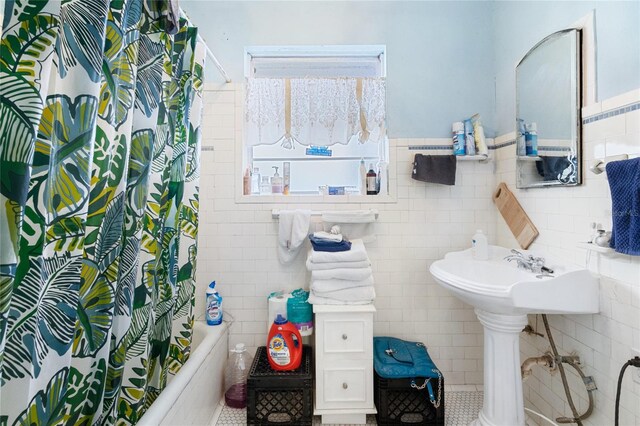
[[314, 111]]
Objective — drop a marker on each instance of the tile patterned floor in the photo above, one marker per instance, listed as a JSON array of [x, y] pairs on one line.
[[462, 408]]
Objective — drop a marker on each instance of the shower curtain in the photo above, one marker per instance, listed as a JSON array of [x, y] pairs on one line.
[[100, 106]]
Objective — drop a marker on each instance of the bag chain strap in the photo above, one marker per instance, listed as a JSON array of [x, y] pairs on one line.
[[436, 404]]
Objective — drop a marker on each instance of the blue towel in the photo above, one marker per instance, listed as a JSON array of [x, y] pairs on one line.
[[320, 244], [624, 182]]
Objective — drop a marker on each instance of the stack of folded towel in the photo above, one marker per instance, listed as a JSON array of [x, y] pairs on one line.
[[340, 277]]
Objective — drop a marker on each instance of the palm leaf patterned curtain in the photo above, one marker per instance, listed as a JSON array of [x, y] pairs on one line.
[[100, 106]]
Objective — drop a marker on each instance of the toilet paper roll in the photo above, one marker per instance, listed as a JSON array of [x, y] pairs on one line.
[[277, 305]]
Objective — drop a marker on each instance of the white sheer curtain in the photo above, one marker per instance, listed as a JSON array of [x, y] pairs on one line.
[[314, 111]]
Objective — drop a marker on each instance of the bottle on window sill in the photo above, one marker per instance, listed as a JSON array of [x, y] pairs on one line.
[[255, 181], [362, 174], [265, 186], [246, 182], [372, 181], [276, 182]]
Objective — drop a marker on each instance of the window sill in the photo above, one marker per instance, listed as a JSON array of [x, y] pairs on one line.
[[315, 199]]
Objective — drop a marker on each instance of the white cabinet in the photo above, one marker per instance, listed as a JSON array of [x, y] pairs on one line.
[[344, 363]]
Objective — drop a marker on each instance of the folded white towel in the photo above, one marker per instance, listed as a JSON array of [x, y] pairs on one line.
[[357, 253], [293, 230], [320, 287], [328, 236], [350, 295], [351, 274], [354, 216], [324, 266], [317, 300]]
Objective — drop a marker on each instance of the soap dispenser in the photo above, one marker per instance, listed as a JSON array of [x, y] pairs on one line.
[[480, 246], [276, 182]]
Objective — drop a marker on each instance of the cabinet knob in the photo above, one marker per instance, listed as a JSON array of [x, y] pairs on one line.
[[345, 385], [344, 337]]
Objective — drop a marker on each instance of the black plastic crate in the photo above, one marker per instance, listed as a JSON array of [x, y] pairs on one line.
[[400, 404], [280, 397]]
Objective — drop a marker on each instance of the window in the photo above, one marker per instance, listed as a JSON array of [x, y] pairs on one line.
[[319, 108]]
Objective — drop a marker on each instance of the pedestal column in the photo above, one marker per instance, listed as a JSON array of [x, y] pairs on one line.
[[503, 403]]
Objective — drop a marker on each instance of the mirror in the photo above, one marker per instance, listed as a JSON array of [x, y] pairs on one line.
[[548, 119]]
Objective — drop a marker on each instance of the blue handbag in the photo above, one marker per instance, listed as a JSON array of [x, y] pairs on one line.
[[399, 359]]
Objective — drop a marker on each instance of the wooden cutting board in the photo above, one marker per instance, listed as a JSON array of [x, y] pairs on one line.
[[521, 226]]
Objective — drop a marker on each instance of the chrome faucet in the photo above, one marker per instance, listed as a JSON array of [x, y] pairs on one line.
[[529, 262]]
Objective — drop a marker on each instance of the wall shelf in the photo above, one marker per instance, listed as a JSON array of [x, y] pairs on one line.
[[528, 158], [596, 248], [481, 158]]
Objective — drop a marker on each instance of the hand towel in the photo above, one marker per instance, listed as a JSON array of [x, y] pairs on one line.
[[327, 236], [435, 169], [624, 182], [357, 253], [324, 287], [318, 300], [326, 266], [332, 246], [292, 231], [350, 274]]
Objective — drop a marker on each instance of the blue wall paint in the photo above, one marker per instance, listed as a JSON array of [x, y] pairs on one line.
[[439, 62], [518, 25], [446, 59]]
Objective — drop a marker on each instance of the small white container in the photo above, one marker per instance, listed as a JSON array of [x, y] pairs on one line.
[[480, 246]]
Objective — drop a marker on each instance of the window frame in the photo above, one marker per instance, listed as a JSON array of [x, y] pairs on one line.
[[282, 53], [378, 51]]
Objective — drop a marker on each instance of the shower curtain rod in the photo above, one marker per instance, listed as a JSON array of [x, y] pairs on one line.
[[215, 61], [208, 51]]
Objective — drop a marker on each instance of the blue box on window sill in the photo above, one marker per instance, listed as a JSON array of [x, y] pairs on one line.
[[318, 150], [336, 190]]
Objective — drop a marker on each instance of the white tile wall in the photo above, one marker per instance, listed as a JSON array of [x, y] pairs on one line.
[[237, 243], [237, 248], [562, 215]]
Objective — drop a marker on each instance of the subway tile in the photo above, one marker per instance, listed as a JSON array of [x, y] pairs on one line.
[[424, 223]]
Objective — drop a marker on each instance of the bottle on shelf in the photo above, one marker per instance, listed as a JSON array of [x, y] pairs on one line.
[[265, 186], [255, 181], [363, 177], [470, 143], [276, 182], [531, 139], [458, 138], [371, 181], [478, 133], [246, 182]]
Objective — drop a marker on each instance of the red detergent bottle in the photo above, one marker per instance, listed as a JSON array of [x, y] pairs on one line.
[[284, 353]]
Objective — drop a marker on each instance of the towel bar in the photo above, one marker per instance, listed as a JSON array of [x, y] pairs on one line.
[[275, 214], [598, 165]]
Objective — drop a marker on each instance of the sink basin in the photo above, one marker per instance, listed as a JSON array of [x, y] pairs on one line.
[[498, 286], [503, 295]]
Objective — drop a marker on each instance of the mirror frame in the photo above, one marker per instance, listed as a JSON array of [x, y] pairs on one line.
[[577, 109]]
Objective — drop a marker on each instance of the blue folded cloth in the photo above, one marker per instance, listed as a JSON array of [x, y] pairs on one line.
[[320, 244], [624, 182]]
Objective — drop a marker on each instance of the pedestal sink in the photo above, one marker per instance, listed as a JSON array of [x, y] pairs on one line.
[[503, 295]]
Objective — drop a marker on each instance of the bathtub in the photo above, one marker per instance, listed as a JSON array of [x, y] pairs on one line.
[[193, 394]]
